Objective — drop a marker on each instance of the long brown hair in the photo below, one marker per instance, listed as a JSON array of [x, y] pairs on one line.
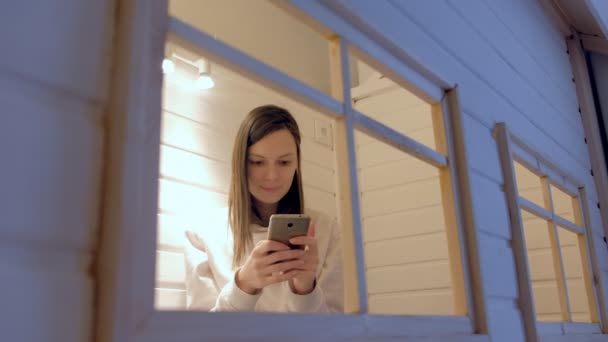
[[260, 122]]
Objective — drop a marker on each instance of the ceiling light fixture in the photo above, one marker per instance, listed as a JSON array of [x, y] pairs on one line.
[[204, 80], [168, 62]]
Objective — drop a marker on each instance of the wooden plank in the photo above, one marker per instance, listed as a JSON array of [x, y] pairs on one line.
[[464, 212], [413, 222], [398, 140], [562, 222], [558, 262], [432, 302], [169, 299], [131, 169], [399, 198], [526, 299], [170, 234], [416, 278], [532, 208], [402, 171], [444, 140], [595, 44], [407, 250], [374, 152], [355, 289], [170, 268], [589, 263]]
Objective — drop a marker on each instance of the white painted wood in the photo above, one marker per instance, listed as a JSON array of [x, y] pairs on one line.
[[249, 67], [45, 126], [484, 157], [169, 299], [501, 279], [188, 167], [505, 320], [476, 92], [407, 277], [406, 250], [125, 259], [51, 143], [526, 296], [428, 220], [500, 108], [493, 68], [320, 200], [427, 302], [487, 20], [599, 10], [170, 269], [398, 198], [393, 138], [59, 61], [402, 171], [491, 211], [595, 44], [282, 41], [171, 230], [352, 207]]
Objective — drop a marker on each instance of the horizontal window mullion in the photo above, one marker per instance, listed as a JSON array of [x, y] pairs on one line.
[[535, 209], [397, 140], [252, 68], [571, 226]]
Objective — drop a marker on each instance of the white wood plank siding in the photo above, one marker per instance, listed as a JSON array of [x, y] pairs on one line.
[[406, 254], [52, 94], [510, 63], [196, 146]]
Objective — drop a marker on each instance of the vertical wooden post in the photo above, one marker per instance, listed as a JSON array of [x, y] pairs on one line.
[[558, 262], [586, 255], [526, 299], [355, 289], [450, 214]]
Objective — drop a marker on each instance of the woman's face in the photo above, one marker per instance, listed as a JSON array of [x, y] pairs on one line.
[[271, 166]]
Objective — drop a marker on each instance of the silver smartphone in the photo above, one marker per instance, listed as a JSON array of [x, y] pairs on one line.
[[283, 227]]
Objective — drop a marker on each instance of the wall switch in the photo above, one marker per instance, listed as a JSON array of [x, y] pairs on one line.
[[323, 133]]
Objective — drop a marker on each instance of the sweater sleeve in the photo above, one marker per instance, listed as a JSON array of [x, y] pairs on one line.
[[328, 294], [202, 292]]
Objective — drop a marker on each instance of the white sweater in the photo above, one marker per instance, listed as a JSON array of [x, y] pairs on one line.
[[210, 282]]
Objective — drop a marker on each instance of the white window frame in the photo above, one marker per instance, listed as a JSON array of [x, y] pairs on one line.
[[126, 263], [512, 148]]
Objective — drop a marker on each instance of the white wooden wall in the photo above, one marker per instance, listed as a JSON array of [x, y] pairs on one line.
[[406, 257], [511, 65], [196, 148], [52, 94]]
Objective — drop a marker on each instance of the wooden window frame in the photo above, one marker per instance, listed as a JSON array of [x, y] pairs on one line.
[[511, 149], [125, 267]]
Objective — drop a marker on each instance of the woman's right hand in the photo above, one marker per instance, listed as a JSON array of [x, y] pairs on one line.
[[269, 262]]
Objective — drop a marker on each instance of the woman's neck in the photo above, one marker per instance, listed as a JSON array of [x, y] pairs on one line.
[[266, 210]]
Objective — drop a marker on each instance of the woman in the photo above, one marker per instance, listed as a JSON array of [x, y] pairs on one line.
[[230, 265]]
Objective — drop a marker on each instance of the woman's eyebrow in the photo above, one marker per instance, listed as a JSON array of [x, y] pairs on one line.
[[281, 156]]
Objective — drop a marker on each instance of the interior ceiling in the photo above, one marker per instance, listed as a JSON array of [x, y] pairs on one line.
[[577, 13]]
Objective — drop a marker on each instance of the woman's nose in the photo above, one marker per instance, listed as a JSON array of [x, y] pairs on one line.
[[272, 172]]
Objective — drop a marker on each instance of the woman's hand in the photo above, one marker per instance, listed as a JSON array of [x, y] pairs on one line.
[[303, 282], [269, 262]]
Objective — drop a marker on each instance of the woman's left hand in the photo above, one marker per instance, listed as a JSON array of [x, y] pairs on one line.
[[304, 281]]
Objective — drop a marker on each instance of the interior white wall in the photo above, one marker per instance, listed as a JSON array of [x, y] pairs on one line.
[[405, 247], [196, 147], [265, 32]]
